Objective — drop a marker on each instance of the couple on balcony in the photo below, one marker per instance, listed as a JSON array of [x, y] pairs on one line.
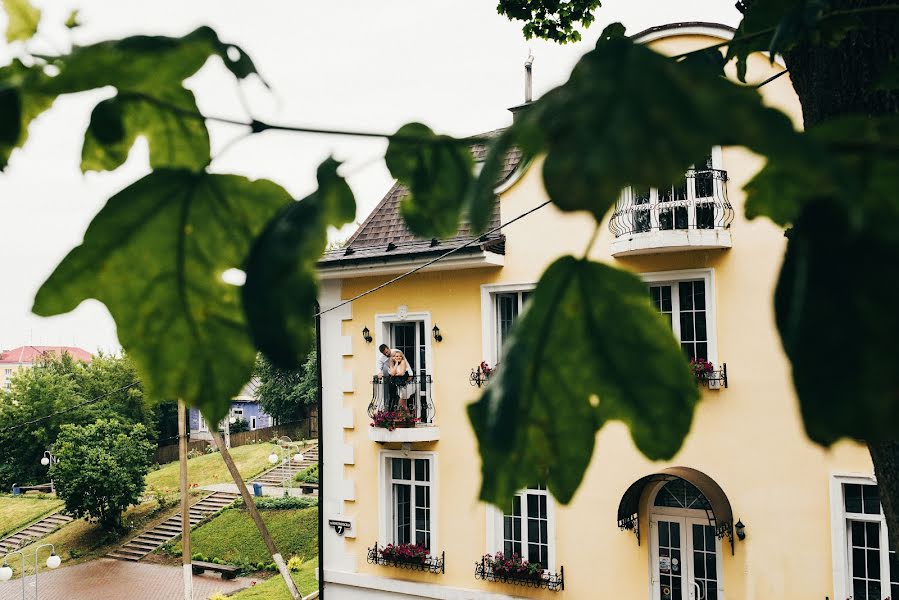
[[393, 369]]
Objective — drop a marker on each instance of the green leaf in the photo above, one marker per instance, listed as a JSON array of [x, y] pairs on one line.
[[176, 136], [889, 78], [21, 101], [154, 256], [481, 196], [23, 20], [588, 332], [73, 21], [281, 289], [437, 171], [851, 162], [605, 130], [838, 325], [143, 64]]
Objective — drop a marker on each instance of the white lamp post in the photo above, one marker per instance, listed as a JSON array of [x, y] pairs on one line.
[[49, 460], [53, 561]]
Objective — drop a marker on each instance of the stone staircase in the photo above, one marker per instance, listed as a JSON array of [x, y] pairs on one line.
[[169, 529], [33, 532], [278, 475]]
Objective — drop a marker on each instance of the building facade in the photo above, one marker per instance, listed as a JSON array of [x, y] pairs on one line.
[[24, 357], [245, 406], [748, 509]]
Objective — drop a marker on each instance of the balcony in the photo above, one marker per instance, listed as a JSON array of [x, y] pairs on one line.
[[693, 214], [402, 410]]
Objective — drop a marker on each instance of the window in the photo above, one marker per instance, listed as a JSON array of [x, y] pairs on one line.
[[687, 204], [237, 412], [866, 567], [203, 425], [252, 422], [409, 497], [683, 304], [508, 305], [526, 527], [8, 372]]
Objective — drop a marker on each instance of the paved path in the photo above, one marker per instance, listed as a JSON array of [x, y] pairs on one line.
[[108, 579]]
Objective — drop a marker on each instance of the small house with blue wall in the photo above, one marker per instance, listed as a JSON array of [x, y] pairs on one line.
[[244, 406]]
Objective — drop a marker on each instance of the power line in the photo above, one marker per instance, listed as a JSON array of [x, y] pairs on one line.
[[70, 408], [430, 262]]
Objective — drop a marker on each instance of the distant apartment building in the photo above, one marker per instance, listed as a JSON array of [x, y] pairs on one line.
[[24, 357], [245, 406]]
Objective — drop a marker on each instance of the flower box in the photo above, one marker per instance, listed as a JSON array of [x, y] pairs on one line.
[[406, 556], [391, 419], [518, 571]]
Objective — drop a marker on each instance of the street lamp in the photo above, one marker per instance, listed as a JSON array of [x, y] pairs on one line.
[[49, 460], [53, 561], [287, 449]]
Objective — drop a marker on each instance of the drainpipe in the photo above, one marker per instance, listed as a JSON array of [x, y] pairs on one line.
[[321, 455]]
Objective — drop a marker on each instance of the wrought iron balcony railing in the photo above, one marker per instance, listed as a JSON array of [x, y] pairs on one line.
[[390, 394], [431, 564], [553, 582], [698, 202]]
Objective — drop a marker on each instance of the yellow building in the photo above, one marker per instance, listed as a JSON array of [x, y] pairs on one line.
[[749, 509]]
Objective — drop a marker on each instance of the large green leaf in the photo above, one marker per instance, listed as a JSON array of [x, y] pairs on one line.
[[281, 288], [588, 349], [437, 171], [23, 20], [555, 20], [840, 270], [154, 255], [838, 325], [605, 129], [21, 101], [144, 64], [176, 137]]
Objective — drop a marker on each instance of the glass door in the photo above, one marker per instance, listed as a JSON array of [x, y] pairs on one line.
[[685, 557], [409, 338]]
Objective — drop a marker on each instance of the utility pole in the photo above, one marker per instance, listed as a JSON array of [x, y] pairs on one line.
[[185, 503], [254, 513]]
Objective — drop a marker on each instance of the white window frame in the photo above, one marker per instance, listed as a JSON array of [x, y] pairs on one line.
[[202, 425], [8, 372], [383, 321], [385, 519], [252, 423], [839, 529], [711, 301], [489, 316], [495, 533]]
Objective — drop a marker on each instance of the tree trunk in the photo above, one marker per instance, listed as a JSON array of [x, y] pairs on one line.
[[836, 81]]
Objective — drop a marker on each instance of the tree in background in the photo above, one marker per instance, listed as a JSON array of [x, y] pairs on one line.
[[101, 469], [239, 425], [107, 387], [287, 394]]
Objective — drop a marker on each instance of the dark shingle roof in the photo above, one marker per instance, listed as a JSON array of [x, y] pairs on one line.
[[384, 233]]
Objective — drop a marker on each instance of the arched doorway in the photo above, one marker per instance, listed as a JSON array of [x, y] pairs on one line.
[[689, 516], [685, 552]]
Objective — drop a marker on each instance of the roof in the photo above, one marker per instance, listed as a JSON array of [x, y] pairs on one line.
[[384, 234], [28, 354], [248, 391]]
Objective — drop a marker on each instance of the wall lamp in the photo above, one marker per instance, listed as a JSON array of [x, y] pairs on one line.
[[741, 529], [436, 332], [366, 335]]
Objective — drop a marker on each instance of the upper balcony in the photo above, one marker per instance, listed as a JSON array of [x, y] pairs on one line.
[[693, 214], [402, 410]]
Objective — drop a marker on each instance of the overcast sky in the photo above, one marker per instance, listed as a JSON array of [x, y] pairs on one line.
[[371, 65]]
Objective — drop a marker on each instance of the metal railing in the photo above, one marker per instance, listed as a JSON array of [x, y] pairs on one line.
[[431, 563], [698, 202], [413, 391], [553, 582]]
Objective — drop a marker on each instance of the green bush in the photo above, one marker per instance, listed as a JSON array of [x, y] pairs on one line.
[[282, 502], [308, 475]]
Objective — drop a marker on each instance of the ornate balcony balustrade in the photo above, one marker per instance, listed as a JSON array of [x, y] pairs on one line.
[[692, 214], [402, 409]]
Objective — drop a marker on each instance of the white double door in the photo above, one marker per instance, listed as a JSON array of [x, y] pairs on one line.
[[685, 558]]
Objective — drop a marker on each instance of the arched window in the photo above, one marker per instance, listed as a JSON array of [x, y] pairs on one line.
[[679, 493]]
